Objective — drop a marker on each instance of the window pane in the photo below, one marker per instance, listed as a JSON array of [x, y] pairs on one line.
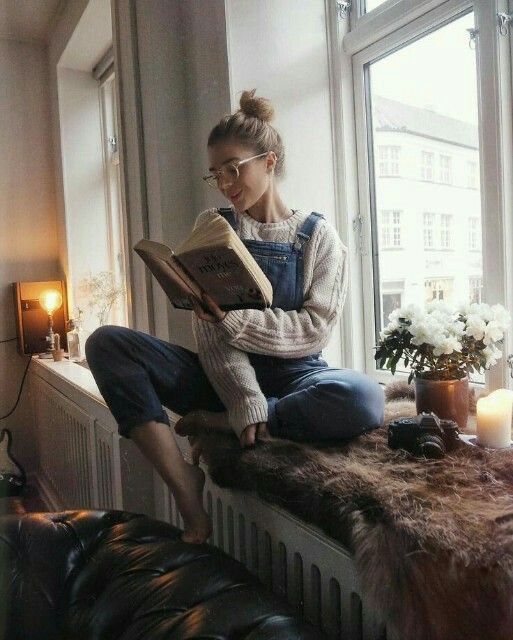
[[372, 4], [427, 230]]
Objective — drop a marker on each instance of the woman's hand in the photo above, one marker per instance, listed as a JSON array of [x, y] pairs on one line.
[[214, 313], [254, 432]]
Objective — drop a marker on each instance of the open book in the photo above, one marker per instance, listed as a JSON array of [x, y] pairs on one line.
[[212, 259]]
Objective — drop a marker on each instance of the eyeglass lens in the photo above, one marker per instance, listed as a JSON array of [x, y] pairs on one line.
[[227, 174]]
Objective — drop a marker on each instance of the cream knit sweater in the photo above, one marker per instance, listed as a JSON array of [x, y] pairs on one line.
[[223, 347]]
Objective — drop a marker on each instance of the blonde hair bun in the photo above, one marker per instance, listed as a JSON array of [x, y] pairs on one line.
[[252, 107]]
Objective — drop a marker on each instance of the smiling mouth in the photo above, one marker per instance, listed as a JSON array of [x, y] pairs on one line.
[[234, 197]]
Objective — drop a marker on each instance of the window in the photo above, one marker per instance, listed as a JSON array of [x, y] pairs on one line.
[[474, 234], [445, 169], [372, 4], [471, 174], [445, 231], [390, 302], [390, 229], [115, 224], [429, 230], [388, 160], [475, 285], [415, 83], [427, 160], [440, 289]]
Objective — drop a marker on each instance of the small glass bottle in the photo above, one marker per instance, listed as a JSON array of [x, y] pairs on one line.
[[76, 340]]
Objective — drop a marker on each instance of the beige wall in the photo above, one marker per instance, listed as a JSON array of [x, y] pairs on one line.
[[28, 227]]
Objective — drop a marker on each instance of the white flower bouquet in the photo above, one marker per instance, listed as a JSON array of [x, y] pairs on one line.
[[442, 342]]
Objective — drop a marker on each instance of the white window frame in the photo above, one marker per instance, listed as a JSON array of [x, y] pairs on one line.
[[474, 233], [431, 227], [364, 39], [427, 168], [446, 231], [113, 194], [472, 174], [445, 168], [389, 156], [391, 232]]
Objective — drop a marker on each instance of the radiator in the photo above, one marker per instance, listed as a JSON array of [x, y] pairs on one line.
[[295, 560], [79, 454]]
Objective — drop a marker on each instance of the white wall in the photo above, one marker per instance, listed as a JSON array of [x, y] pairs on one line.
[[28, 230], [280, 48], [184, 92], [189, 83]]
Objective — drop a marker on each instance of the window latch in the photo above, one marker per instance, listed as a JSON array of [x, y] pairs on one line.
[[113, 143], [343, 8], [505, 19], [509, 360], [472, 34]]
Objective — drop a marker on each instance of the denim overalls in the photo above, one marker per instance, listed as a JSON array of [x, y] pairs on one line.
[[307, 400]]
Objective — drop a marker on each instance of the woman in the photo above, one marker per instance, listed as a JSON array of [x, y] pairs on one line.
[[257, 372]]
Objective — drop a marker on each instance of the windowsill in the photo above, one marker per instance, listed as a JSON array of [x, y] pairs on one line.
[[78, 385], [71, 373]]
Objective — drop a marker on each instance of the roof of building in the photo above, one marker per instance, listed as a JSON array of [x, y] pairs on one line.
[[391, 115]]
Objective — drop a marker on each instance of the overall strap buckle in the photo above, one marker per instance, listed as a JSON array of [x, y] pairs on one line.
[[305, 233]]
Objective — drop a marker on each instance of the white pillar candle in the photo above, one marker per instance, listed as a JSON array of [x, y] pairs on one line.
[[494, 419]]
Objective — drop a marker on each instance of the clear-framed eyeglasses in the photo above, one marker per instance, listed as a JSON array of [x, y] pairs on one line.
[[229, 172]]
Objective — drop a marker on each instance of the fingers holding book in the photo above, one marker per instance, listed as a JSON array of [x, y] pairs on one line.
[[212, 312]]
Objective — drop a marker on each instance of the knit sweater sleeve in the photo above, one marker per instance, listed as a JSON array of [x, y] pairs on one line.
[[294, 334], [231, 375]]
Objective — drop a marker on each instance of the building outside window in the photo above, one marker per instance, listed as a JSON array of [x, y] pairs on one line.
[[475, 287], [390, 229], [427, 160], [420, 87], [389, 160], [471, 174], [445, 169], [439, 289], [474, 234], [429, 230], [445, 231]]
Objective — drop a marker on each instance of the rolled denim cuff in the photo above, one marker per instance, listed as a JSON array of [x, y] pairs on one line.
[[272, 418]]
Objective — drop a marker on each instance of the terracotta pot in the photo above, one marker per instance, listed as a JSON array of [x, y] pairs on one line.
[[448, 399]]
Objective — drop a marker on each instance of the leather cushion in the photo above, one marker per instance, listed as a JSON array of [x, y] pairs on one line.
[[111, 574]]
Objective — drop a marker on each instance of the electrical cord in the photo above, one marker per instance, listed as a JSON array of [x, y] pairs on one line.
[[8, 340], [21, 389]]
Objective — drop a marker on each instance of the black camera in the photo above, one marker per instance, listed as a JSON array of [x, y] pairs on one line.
[[425, 435]]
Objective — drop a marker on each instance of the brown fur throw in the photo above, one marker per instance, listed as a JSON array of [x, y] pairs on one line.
[[432, 540]]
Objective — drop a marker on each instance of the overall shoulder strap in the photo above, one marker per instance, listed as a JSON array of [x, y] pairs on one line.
[[305, 232], [229, 215]]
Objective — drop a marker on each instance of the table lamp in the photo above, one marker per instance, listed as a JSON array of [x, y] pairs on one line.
[[50, 300]]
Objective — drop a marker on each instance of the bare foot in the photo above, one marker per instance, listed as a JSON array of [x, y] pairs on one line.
[[201, 421], [192, 423], [197, 523]]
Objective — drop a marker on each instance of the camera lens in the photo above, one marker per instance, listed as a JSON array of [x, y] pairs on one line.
[[431, 446]]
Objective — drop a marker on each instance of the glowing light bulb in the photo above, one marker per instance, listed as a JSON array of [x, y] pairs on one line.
[[50, 300]]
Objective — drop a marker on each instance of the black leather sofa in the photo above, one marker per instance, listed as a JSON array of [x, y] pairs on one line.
[[108, 575]]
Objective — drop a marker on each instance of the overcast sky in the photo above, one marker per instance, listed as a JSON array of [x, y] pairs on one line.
[[437, 70]]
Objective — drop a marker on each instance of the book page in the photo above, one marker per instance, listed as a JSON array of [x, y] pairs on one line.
[[176, 283]]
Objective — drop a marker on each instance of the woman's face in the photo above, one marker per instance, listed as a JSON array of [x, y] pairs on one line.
[[254, 176]]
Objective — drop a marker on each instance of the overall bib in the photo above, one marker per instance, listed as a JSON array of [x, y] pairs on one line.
[[307, 400]]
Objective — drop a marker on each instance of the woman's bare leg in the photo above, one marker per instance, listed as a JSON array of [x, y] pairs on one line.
[[185, 481]]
